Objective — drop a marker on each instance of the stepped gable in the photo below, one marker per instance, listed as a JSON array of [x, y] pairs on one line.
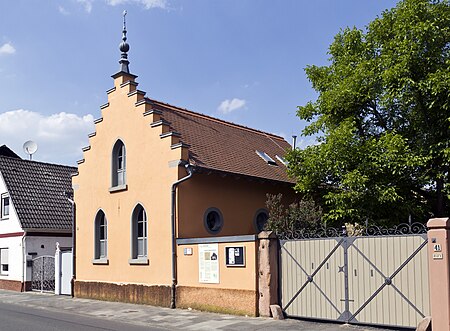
[[218, 145], [37, 191]]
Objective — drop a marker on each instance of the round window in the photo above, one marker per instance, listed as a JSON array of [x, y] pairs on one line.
[[260, 220], [213, 220]]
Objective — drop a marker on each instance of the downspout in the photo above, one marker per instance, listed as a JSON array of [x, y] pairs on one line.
[[24, 261], [172, 218]]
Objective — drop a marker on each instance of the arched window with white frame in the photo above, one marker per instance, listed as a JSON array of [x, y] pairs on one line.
[[101, 236], [139, 235], [118, 171]]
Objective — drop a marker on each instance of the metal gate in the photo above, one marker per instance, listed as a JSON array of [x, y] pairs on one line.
[[378, 277], [43, 274]]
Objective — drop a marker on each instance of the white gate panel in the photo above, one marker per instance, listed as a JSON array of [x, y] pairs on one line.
[[66, 272]]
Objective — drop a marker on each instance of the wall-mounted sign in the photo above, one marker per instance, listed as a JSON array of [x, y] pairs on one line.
[[188, 251], [208, 263], [438, 256], [235, 256], [437, 248]]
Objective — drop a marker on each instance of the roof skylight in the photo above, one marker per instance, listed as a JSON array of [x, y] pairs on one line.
[[266, 157], [282, 160]]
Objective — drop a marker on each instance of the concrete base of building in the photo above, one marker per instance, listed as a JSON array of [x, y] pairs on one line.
[[229, 301], [14, 285], [132, 293]]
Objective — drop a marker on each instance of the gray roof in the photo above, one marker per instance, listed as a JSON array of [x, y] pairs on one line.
[[37, 193]]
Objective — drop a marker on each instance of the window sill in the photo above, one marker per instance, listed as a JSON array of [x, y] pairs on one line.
[[139, 261], [118, 188], [102, 260], [4, 218]]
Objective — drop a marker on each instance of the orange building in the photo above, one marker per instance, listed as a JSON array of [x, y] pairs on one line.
[[156, 183]]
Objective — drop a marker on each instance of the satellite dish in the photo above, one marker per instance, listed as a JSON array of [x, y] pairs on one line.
[[30, 147]]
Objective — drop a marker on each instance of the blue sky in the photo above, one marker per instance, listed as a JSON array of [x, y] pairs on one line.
[[241, 61]]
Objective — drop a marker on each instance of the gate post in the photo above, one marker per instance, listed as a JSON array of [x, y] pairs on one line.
[[57, 270], [439, 269], [267, 271]]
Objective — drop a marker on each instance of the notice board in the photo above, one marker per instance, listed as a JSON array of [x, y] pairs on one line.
[[208, 263]]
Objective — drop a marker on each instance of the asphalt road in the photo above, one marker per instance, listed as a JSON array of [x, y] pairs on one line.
[[20, 318]]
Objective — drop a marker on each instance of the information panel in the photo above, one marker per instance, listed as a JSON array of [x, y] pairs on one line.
[[235, 256], [208, 263]]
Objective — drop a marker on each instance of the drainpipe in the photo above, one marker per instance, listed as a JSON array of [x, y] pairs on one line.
[[24, 269], [72, 281], [172, 218]]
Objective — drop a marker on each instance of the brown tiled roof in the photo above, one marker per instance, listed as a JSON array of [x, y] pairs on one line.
[[227, 147], [37, 193]]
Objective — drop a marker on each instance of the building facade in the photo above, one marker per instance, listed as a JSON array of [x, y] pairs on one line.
[[154, 174], [35, 215]]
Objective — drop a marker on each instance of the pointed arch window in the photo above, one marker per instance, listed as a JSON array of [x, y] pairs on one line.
[[119, 165], [139, 236], [101, 237]]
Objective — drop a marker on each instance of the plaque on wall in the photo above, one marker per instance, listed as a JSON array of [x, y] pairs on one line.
[[208, 263], [235, 256]]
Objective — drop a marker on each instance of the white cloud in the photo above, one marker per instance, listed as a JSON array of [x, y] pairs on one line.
[[87, 4], [7, 49], [227, 106], [60, 137], [147, 4], [63, 11]]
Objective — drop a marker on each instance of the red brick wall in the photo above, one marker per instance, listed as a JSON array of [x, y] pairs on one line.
[[12, 285]]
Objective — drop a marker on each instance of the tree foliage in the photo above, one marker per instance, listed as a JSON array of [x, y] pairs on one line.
[[304, 214], [383, 119]]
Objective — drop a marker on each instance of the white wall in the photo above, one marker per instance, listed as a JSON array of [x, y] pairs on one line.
[[44, 246]]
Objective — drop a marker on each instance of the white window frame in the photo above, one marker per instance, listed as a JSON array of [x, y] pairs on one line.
[[100, 238], [118, 166], [4, 254], [5, 197], [139, 236]]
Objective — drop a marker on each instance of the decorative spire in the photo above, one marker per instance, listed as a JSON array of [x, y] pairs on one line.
[[124, 48]]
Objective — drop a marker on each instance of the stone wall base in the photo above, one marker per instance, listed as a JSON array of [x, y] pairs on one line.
[[237, 302], [12, 285], [133, 293]]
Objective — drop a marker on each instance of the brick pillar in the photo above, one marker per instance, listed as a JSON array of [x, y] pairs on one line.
[[267, 271], [439, 267]]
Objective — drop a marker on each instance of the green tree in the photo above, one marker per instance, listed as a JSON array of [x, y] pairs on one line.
[[383, 119], [300, 215]]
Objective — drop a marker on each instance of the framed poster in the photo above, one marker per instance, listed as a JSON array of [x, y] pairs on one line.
[[235, 256], [208, 263]]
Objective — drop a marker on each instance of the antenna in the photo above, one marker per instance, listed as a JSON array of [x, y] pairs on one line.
[[30, 147]]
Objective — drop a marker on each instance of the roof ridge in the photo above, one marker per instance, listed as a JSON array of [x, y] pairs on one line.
[[209, 117], [39, 162]]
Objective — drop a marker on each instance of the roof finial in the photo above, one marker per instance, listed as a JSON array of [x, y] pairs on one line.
[[124, 47]]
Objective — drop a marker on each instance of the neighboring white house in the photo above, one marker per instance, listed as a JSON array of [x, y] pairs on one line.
[[35, 214]]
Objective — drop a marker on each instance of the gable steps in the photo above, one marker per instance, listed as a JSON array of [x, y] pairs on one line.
[[174, 136]]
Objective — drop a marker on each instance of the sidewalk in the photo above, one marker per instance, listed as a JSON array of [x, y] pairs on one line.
[[170, 319]]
